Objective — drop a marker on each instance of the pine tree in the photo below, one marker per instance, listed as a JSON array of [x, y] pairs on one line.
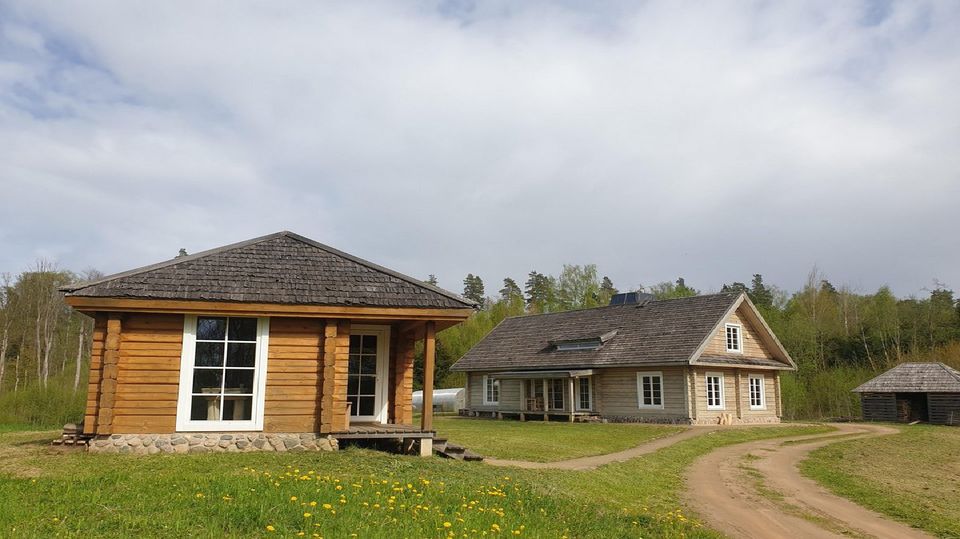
[[473, 288], [539, 290], [510, 290], [431, 279], [760, 295]]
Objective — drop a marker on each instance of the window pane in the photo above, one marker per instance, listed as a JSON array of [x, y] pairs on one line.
[[237, 408], [367, 405], [354, 344], [353, 385], [239, 381], [205, 408], [211, 329], [243, 329], [207, 380], [368, 385], [368, 365], [353, 366], [209, 354], [369, 344], [241, 354]]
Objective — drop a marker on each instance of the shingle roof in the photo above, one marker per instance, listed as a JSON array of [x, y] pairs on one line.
[[915, 378], [283, 268], [657, 332]]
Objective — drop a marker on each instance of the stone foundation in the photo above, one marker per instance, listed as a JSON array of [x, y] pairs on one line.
[[207, 442], [658, 420], [745, 420]]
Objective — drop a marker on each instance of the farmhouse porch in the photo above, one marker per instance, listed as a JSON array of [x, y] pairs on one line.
[[545, 395]]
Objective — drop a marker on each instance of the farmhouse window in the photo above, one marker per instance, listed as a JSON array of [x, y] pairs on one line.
[[733, 338], [222, 374], [584, 393], [491, 390], [715, 391], [757, 398], [650, 389]]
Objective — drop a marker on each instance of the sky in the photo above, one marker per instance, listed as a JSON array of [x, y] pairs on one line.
[[708, 140]]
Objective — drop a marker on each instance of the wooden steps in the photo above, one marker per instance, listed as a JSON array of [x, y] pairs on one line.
[[446, 449]]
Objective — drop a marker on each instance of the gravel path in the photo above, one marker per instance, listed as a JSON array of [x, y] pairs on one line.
[[765, 496]]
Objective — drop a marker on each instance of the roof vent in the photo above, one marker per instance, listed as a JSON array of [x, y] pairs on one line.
[[630, 298]]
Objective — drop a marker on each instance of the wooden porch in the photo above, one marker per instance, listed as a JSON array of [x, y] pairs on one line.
[[372, 431]]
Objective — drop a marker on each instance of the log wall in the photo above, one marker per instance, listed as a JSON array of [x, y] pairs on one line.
[[944, 408], [879, 406]]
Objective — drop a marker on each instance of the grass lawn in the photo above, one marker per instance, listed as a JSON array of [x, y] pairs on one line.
[[48, 492], [913, 476], [544, 442]]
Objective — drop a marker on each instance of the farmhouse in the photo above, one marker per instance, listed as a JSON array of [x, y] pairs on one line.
[[278, 342], [913, 392], [706, 359]]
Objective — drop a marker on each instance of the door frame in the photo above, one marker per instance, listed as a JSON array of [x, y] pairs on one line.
[[383, 372]]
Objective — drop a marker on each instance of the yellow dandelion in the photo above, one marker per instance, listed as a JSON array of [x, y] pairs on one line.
[[307, 515], [270, 528], [447, 524]]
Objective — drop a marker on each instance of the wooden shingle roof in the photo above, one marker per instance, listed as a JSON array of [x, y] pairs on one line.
[[659, 332], [281, 268], [914, 378]]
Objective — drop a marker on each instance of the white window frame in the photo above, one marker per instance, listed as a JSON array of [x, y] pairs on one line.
[[383, 369], [495, 385], [651, 374], [185, 395], [706, 382], [588, 380], [763, 391], [726, 339]]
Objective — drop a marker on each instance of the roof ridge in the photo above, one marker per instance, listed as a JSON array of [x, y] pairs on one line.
[[949, 370], [376, 267], [623, 305], [174, 260]]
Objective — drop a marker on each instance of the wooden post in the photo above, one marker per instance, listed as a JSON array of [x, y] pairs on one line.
[[546, 398], [402, 389], [692, 380], [739, 381], [336, 355], [776, 390], [110, 370], [523, 398], [429, 355], [573, 407]]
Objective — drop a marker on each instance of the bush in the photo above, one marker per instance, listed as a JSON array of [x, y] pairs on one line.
[[50, 407]]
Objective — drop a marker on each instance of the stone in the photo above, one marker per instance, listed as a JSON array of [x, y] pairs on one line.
[[199, 449], [153, 450], [226, 437], [259, 443], [125, 449], [290, 443], [179, 440], [209, 443], [116, 436], [225, 444], [297, 449], [181, 448], [242, 444]]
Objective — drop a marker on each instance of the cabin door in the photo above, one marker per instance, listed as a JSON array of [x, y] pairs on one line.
[[367, 374]]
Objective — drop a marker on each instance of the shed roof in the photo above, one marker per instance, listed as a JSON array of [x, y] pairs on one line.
[[661, 332], [915, 378], [283, 268]]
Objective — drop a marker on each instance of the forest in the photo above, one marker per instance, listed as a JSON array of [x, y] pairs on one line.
[[839, 337]]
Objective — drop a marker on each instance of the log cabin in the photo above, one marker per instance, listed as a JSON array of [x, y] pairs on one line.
[[708, 359], [924, 392], [278, 342]]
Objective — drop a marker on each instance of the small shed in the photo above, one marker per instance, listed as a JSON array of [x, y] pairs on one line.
[[928, 392]]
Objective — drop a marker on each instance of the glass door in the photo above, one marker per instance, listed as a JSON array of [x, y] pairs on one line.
[[367, 375]]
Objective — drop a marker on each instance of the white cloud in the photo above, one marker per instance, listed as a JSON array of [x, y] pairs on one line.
[[655, 141]]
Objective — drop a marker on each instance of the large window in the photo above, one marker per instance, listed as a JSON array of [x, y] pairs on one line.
[[555, 393], [584, 394], [222, 373], [714, 391], [758, 400], [734, 338], [491, 390], [650, 389]]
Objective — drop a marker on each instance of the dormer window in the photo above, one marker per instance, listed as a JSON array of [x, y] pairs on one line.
[[578, 345], [734, 338]]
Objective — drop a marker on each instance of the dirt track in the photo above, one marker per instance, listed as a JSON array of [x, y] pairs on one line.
[[741, 496]]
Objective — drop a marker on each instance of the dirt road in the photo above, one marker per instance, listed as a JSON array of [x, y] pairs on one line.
[[754, 490]]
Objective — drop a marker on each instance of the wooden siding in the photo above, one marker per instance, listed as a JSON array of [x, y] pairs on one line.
[[729, 393], [751, 344], [879, 406], [294, 375], [96, 362], [336, 354], [944, 408], [618, 390], [769, 393], [149, 374], [509, 394]]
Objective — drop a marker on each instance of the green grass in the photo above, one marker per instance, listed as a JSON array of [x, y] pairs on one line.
[[913, 476], [48, 492], [545, 442]]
